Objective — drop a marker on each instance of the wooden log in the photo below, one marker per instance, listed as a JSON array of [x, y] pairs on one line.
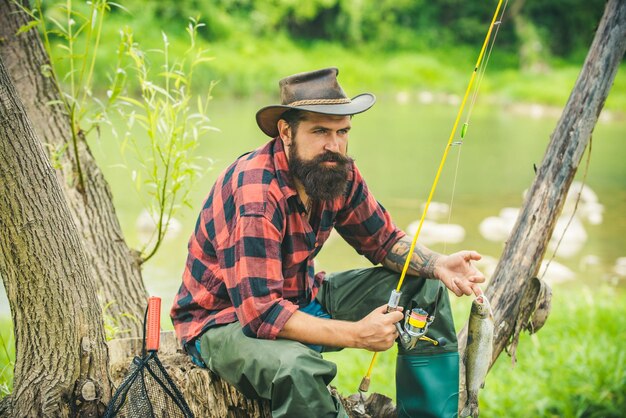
[[525, 248]]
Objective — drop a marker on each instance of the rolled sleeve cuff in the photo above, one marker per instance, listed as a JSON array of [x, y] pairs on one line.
[[275, 319], [382, 252]]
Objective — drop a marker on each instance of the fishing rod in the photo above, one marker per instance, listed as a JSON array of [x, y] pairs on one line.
[[417, 321]]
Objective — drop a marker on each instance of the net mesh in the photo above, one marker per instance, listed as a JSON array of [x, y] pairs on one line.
[[147, 391]]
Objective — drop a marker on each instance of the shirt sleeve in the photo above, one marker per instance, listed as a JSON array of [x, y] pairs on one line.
[[365, 224], [251, 265]]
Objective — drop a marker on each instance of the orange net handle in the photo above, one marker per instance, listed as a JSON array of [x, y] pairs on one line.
[[153, 324]]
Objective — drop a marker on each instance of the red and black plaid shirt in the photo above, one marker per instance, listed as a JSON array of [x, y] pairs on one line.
[[251, 254]]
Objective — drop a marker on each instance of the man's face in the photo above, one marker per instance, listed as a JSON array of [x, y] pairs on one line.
[[317, 154], [318, 134]]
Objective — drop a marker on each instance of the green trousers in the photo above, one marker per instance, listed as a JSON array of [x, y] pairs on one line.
[[294, 377]]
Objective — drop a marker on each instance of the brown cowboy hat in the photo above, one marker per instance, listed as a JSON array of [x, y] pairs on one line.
[[314, 91]]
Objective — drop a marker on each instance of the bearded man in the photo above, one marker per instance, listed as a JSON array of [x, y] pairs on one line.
[[251, 307]]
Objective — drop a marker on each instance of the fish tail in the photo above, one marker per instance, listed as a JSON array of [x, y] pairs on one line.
[[471, 407]]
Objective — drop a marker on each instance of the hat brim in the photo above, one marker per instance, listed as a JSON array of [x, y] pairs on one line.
[[267, 118]]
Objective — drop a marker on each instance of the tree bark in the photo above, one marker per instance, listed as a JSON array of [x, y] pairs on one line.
[[115, 267], [61, 357], [514, 293]]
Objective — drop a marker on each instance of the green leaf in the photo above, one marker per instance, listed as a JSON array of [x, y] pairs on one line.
[[62, 29], [119, 6], [174, 76], [131, 101], [25, 28], [203, 59]]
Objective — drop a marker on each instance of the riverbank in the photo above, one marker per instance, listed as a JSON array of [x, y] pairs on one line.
[[441, 73]]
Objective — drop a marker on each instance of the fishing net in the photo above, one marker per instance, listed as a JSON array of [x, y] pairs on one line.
[[147, 390]]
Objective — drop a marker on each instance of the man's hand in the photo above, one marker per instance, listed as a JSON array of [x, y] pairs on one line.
[[458, 274], [377, 332]]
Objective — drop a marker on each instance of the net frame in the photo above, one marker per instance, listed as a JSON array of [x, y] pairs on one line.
[[144, 396]]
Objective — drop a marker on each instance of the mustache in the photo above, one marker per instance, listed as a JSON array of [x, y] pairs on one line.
[[333, 157]]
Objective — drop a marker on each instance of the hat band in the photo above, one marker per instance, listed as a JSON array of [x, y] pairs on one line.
[[344, 100]]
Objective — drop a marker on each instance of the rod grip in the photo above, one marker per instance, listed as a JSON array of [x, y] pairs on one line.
[[394, 301], [153, 324], [365, 384]]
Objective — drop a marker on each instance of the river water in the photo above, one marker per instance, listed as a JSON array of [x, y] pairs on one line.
[[398, 145]]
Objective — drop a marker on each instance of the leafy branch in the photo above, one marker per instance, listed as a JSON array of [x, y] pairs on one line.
[[173, 124], [78, 30], [171, 120]]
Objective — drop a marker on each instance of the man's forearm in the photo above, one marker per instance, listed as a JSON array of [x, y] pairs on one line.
[[422, 263], [375, 332], [312, 330]]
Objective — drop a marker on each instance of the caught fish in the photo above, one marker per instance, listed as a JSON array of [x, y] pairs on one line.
[[478, 352]]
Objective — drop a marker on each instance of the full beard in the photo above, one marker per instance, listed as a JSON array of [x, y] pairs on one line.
[[321, 182]]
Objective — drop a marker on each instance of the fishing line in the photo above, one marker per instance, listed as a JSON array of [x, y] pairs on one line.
[[456, 173], [449, 144], [483, 69], [441, 164], [571, 218]]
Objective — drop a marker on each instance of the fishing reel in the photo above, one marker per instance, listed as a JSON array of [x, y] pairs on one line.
[[416, 324]]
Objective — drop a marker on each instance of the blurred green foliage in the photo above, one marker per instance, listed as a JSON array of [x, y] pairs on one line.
[[7, 356], [565, 25], [385, 45]]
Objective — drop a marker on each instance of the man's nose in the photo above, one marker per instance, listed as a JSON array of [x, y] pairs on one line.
[[332, 144]]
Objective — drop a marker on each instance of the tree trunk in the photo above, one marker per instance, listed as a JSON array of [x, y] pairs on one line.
[[513, 292], [61, 366], [115, 267]]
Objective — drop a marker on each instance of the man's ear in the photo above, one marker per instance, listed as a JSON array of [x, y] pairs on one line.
[[284, 131]]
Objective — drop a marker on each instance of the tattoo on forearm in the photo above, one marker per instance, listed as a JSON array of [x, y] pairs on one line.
[[429, 268], [397, 255], [422, 261]]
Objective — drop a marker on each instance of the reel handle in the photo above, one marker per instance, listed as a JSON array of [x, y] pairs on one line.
[[392, 305]]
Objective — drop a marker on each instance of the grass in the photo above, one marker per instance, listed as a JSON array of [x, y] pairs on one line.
[[7, 356], [574, 367]]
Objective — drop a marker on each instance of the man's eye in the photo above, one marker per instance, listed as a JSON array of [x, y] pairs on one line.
[[343, 132]]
